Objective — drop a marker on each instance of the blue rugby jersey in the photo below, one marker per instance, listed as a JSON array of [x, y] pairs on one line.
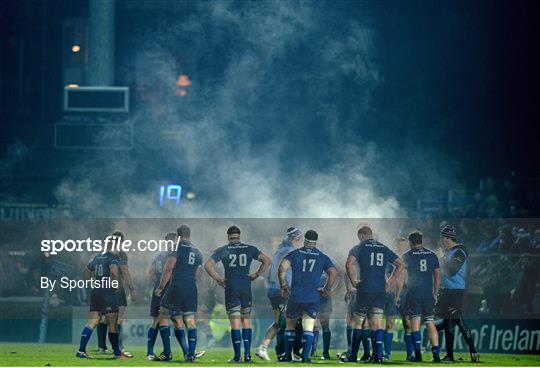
[[188, 259], [236, 258], [101, 264], [420, 264], [372, 258], [307, 265], [158, 265]]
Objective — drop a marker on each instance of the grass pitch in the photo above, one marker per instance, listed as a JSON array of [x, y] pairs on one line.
[[64, 355]]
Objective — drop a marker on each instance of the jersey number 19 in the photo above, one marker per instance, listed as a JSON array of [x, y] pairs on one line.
[[377, 259]]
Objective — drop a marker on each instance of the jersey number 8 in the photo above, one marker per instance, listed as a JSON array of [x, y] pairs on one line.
[[242, 260], [423, 265]]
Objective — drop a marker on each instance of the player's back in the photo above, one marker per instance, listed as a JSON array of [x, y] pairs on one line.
[[236, 258], [420, 263], [158, 265], [372, 258], [188, 259], [307, 264], [100, 265]]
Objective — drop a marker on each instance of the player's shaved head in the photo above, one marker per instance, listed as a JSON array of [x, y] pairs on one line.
[[365, 232], [183, 231]]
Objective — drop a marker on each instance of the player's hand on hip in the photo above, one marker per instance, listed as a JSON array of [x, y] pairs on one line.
[[220, 281], [324, 291]]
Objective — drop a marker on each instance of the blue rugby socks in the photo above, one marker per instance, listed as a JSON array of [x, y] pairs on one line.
[[180, 334], [366, 337], [192, 341], [290, 336], [409, 345], [355, 345], [417, 339], [85, 337], [236, 337], [165, 333], [151, 340], [388, 337], [246, 336], [308, 337]]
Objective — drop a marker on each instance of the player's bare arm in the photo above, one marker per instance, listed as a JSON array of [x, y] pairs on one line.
[[210, 268], [350, 290], [152, 274], [400, 283], [198, 273], [282, 276], [350, 267], [436, 283], [88, 274], [400, 266], [166, 276], [127, 277], [265, 264], [114, 274]]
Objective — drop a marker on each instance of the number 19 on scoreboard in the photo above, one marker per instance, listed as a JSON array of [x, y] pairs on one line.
[[170, 193]]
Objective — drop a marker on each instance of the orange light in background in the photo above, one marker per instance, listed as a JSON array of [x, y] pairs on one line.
[[183, 81], [72, 85], [75, 48]]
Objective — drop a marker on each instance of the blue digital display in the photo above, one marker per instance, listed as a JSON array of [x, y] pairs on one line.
[[167, 193]]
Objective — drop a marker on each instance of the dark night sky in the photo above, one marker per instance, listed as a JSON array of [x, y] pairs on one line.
[[456, 79]]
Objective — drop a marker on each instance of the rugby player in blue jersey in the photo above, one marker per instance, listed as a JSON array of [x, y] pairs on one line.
[[423, 279], [371, 257], [236, 258], [307, 264], [277, 328], [179, 301], [103, 302], [155, 272]]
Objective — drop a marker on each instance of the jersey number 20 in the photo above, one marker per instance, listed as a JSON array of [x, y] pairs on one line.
[[242, 260]]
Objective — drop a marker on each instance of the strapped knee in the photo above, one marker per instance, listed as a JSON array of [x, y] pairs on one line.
[[376, 313], [234, 311]]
